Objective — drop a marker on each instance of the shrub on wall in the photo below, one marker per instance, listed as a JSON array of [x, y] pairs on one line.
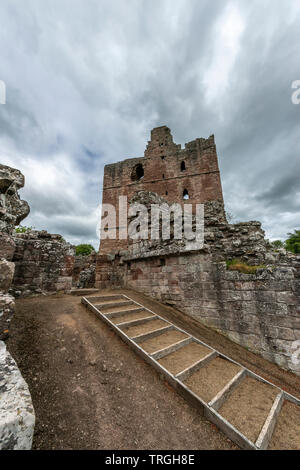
[[242, 267], [84, 250], [23, 229]]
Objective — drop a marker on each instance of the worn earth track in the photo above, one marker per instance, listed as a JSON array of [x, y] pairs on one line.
[[90, 391]]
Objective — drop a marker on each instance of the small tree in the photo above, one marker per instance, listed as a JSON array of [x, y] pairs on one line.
[[278, 244], [84, 250], [293, 242]]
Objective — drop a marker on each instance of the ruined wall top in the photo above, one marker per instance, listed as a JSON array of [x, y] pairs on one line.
[[162, 140]]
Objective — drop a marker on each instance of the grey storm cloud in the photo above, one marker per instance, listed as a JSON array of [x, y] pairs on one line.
[[87, 81]]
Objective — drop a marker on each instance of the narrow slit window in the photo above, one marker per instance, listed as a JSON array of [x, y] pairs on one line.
[[182, 166], [185, 194]]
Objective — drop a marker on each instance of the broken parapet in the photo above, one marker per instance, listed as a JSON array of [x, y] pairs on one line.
[[17, 416]]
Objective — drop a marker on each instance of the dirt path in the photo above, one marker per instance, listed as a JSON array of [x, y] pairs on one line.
[[90, 391]]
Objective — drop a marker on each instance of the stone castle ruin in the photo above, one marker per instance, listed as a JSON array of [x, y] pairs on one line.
[[191, 174], [259, 311]]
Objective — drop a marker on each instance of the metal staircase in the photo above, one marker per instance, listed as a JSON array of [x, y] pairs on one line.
[[143, 329]]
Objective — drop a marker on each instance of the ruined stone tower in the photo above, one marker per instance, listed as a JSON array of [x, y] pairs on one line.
[[179, 175]]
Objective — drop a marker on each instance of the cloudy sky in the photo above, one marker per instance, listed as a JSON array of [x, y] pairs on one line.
[[88, 79]]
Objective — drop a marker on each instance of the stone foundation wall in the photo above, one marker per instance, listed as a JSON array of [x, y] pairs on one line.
[[43, 263], [258, 311]]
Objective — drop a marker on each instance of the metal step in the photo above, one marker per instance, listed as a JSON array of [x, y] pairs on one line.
[[122, 313], [140, 321], [112, 304], [104, 298], [80, 292]]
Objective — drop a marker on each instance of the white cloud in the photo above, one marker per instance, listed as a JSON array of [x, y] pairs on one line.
[[227, 32]]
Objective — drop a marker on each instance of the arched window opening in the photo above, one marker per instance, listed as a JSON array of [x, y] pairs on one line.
[[163, 176], [137, 172], [182, 166], [185, 194]]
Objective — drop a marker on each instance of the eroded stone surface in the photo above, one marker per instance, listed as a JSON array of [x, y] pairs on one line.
[[17, 416], [84, 271], [7, 310], [7, 246], [12, 209], [7, 270]]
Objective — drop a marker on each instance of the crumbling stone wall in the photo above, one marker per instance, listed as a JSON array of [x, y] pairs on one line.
[[12, 211], [17, 417], [7, 304], [83, 274], [43, 263]]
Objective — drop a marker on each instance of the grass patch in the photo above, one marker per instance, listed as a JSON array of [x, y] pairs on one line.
[[242, 267]]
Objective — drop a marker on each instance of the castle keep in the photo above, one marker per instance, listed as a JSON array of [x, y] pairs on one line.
[[178, 175]]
